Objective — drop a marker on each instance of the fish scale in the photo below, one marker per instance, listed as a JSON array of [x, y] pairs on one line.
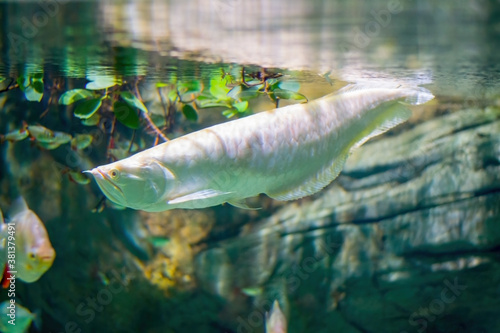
[[286, 153]]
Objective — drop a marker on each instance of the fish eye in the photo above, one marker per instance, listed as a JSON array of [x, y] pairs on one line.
[[115, 174], [32, 255]]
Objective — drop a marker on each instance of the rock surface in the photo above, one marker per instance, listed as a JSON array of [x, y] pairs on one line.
[[405, 240]]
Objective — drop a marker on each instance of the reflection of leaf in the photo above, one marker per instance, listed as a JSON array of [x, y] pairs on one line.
[[38, 76], [244, 93], [32, 95], [37, 86], [190, 87], [189, 112], [229, 113], [210, 103], [172, 95], [23, 82], [133, 101], [101, 82], [287, 94], [86, 109], [218, 88], [241, 106], [126, 114], [71, 96], [289, 85]]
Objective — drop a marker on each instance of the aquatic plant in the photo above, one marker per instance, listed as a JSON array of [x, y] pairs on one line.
[[108, 119]]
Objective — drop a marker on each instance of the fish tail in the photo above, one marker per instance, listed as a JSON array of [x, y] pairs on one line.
[[417, 96], [37, 320]]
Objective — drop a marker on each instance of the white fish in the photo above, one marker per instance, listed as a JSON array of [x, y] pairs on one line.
[[286, 153], [276, 320], [23, 318], [34, 253]]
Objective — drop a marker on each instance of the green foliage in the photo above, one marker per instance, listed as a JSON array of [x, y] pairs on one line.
[[32, 86], [133, 101], [99, 82], [74, 95], [81, 141], [86, 109], [189, 112], [126, 115], [113, 107]]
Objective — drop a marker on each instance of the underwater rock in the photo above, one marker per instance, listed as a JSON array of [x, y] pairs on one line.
[[404, 240]]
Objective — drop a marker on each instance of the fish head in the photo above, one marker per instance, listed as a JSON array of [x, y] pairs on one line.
[[38, 260], [132, 183]]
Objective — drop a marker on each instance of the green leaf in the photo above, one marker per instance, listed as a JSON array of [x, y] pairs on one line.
[[126, 114], [229, 113], [87, 108], [190, 87], [218, 89], [172, 95], [210, 103], [102, 82], [37, 86], [93, 120], [81, 141], [289, 85], [241, 106], [23, 82], [78, 177], [133, 101], [189, 112], [71, 96], [288, 94], [62, 138], [37, 76], [161, 85], [16, 135], [48, 145], [41, 134], [33, 95]]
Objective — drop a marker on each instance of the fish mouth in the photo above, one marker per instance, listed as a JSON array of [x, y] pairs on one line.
[[108, 187]]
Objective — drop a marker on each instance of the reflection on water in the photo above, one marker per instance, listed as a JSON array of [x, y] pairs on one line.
[[453, 44]]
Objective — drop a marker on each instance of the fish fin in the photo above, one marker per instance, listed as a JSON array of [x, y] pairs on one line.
[[316, 183], [413, 95], [18, 206], [200, 195], [37, 320], [275, 319], [240, 203], [383, 118], [4, 282]]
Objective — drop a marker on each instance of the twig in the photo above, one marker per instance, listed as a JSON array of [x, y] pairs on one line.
[[148, 118], [9, 87]]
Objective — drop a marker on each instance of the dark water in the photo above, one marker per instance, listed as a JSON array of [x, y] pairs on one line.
[[413, 217]]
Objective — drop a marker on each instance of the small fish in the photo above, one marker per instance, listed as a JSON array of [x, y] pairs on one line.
[[34, 252], [23, 318], [286, 153], [276, 320]]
